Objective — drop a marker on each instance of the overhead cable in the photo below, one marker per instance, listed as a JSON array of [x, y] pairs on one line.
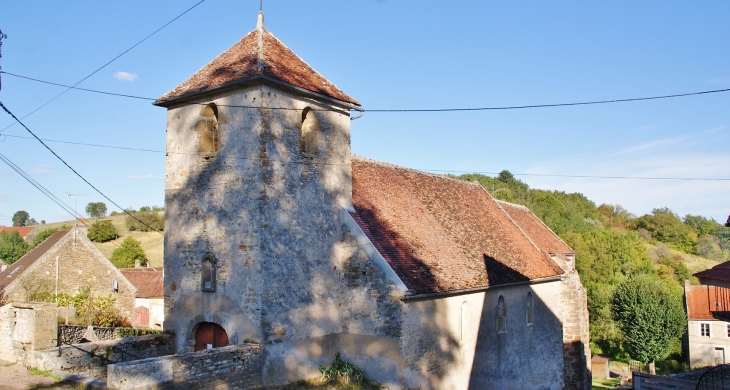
[[73, 170], [109, 62], [496, 108]]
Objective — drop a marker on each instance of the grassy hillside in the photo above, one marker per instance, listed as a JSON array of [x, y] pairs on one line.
[[151, 242]]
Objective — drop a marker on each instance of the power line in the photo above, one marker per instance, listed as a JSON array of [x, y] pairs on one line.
[[73, 170], [109, 62], [40, 187], [425, 170], [401, 110]]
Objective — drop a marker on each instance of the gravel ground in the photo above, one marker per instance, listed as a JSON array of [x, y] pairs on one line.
[[14, 376]]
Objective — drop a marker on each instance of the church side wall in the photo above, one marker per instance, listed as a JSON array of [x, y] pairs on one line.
[[453, 342]]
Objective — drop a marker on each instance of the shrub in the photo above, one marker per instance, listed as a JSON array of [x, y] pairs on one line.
[[12, 247], [127, 253], [145, 221], [42, 236], [133, 332], [102, 231]]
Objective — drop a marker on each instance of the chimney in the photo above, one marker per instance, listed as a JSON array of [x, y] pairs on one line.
[[136, 264]]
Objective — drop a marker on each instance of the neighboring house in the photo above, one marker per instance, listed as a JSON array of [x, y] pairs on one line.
[[718, 275], [65, 262], [276, 234], [707, 342], [149, 303], [27, 232]]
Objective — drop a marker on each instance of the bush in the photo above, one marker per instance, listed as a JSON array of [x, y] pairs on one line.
[[127, 253], [12, 247], [42, 236], [133, 332], [102, 231], [145, 221]]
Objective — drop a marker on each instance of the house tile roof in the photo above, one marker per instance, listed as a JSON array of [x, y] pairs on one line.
[[441, 234], [22, 230], [16, 269], [718, 272], [707, 302], [148, 280], [538, 232], [258, 54]]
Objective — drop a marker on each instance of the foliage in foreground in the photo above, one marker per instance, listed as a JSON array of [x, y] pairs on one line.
[[102, 231], [127, 253], [650, 316]]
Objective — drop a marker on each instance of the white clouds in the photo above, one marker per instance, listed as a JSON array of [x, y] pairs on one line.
[[125, 76], [141, 177], [5, 197], [42, 169]]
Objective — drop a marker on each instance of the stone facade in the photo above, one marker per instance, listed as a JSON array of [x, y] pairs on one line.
[[79, 263], [234, 367]]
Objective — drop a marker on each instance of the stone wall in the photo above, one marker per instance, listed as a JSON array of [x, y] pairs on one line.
[[73, 334], [233, 367], [24, 328], [80, 264], [576, 336]]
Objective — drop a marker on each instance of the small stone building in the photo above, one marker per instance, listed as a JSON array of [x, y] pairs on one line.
[[149, 302], [707, 340], [276, 234], [63, 263]]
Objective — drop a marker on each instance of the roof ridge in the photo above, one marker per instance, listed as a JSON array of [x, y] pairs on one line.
[[391, 165]]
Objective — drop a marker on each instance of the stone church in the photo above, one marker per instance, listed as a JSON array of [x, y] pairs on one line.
[[276, 234]]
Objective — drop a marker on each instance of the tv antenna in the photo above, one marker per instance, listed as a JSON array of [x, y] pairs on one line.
[[76, 206]]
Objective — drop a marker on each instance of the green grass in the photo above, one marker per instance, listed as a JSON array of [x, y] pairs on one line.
[[602, 384], [44, 373], [9, 364]]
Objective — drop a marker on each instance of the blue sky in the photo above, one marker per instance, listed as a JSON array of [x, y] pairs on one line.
[[392, 54]]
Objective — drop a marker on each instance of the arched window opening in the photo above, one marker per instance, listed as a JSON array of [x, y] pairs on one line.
[[501, 315], [310, 132], [209, 335], [208, 132], [464, 321], [530, 309], [207, 277]]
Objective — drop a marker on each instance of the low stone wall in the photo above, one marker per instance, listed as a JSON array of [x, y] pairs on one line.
[[232, 367], [72, 334], [91, 359]]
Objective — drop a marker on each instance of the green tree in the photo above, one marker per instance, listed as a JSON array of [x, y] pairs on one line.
[[42, 236], [145, 221], [21, 218], [12, 247], [96, 209], [650, 316], [127, 253], [665, 226], [102, 231]]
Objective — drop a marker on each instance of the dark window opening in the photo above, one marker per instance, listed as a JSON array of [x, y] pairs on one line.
[[208, 131], [530, 316], [207, 277], [310, 132], [501, 315]]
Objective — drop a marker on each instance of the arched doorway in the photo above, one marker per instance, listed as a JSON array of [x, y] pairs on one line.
[[210, 335]]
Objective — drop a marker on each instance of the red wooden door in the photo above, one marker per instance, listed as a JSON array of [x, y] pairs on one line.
[[141, 316], [210, 335]]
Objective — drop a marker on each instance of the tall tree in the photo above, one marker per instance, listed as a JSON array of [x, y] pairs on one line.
[[649, 315], [127, 253], [96, 209], [21, 218]]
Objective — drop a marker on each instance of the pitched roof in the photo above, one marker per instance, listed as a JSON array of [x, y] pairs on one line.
[[441, 234], [707, 302], [258, 55], [148, 280], [538, 232], [16, 269], [718, 272], [22, 230]]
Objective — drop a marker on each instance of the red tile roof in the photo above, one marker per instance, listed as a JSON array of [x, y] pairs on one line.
[[22, 230], [16, 269], [538, 232], [718, 272], [441, 234], [258, 54], [707, 302], [148, 280]]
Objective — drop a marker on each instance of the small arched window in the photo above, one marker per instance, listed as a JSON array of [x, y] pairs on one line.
[[530, 309], [464, 321], [310, 132], [208, 132], [207, 277], [501, 315]]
